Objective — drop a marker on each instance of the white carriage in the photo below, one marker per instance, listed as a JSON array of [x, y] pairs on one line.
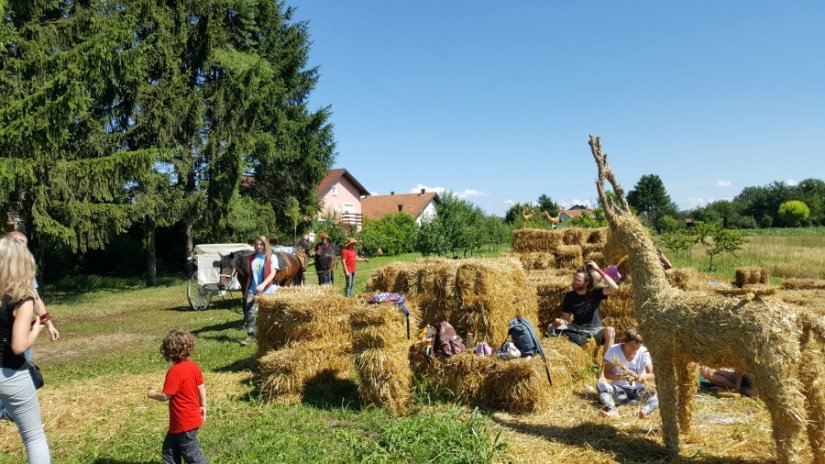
[[203, 284]]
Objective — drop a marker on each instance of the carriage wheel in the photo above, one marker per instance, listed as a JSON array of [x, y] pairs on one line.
[[199, 296]]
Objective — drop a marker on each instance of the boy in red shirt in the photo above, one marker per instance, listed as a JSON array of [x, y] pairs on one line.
[[348, 259], [186, 394]]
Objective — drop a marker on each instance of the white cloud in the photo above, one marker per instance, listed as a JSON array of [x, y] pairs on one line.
[[418, 188], [723, 183], [464, 194], [509, 202], [792, 182], [470, 193], [568, 204], [692, 203]]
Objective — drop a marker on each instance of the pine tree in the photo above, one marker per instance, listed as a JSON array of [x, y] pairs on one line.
[[65, 161]]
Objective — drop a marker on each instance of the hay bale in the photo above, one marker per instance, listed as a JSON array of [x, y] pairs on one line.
[[289, 372], [305, 313], [748, 275], [490, 293], [684, 278], [392, 277], [803, 284], [515, 386], [575, 236], [381, 357], [569, 256], [481, 295], [597, 236], [549, 295], [533, 261], [592, 252], [535, 240], [619, 310]]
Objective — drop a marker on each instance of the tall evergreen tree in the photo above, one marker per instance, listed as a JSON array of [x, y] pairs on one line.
[[650, 198], [65, 162], [152, 111]]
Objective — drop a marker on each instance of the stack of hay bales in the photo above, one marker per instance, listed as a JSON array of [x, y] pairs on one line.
[[749, 275], [550, 291], [381, 352], [516, 385], [619, 310], [567, 248], [303, 338], [481, 295]]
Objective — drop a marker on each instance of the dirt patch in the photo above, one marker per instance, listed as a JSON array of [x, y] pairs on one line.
[[70, 348]]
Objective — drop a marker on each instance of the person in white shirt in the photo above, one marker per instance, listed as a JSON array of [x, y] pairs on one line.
[[626, 368]]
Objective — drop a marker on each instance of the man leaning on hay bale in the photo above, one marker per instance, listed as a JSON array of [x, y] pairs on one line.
[[582, 305]]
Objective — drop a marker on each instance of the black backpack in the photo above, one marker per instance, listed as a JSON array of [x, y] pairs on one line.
[[523, 335], [447, 342]]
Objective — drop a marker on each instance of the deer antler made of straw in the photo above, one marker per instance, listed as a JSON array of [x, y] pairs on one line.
[[608, 203]]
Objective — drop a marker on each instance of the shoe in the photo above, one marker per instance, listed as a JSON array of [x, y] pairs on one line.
[[248, 340], [611, 413]]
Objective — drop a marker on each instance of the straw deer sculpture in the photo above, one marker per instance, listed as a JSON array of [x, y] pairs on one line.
[[770, 340], [526, 215], [553, 221]]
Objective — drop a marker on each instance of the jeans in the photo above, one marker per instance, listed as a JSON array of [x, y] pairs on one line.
[[28, 355], [184, 445], [350, 283], [250, 314], [20, 397], [609, 394]]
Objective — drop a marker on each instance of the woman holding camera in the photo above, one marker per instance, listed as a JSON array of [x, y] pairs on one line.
[[17, 334]]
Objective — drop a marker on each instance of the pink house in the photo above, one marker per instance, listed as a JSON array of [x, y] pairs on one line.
[[340, 194]]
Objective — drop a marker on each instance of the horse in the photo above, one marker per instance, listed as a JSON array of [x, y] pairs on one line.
[[290, 272], [325, 260]]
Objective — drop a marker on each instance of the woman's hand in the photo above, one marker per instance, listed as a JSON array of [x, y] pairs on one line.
[[260, 288]]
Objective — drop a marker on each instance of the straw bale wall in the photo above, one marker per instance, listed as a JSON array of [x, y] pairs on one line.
[[286, 374], [515, 386], [380, 349], [803, 284], [481, 295], [748, 275], [685, 278], [303, 313], [535, 240]]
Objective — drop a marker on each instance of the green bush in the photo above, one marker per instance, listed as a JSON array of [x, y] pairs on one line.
[[393, 234], [794, 212]]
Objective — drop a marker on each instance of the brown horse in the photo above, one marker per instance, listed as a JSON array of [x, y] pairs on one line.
[[290, 272]]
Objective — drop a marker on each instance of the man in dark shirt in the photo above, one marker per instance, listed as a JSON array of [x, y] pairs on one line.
[[582, 304]]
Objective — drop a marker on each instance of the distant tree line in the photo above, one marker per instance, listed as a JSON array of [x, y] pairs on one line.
[[774, 205]]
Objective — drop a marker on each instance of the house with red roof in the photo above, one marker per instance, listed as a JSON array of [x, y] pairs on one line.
[[420, 206], [342, 195]]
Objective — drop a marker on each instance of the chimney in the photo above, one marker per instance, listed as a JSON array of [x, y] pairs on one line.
[[392, 193], [423, 191], [400, 207]]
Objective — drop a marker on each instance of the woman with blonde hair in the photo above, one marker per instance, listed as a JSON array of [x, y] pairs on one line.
[[261, 269], [17, 334]]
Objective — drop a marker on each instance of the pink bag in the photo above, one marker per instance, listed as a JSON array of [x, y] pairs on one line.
[[483, 349]]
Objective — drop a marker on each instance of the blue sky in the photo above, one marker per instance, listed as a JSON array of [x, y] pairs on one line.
[[494, 100]]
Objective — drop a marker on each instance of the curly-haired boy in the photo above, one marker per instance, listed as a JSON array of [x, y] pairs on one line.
[[186, 394]]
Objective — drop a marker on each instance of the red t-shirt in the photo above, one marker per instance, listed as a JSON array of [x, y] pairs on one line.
[[348, 255], [181, 386]]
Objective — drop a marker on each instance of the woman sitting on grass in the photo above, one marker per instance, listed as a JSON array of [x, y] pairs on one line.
[[17, 334]]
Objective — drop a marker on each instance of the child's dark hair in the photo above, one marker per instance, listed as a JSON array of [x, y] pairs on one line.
[[632, 335], [178, 344]]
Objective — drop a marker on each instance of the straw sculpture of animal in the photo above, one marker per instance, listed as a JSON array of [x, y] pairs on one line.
[[526, 215], [553, 221], [770, 340]]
